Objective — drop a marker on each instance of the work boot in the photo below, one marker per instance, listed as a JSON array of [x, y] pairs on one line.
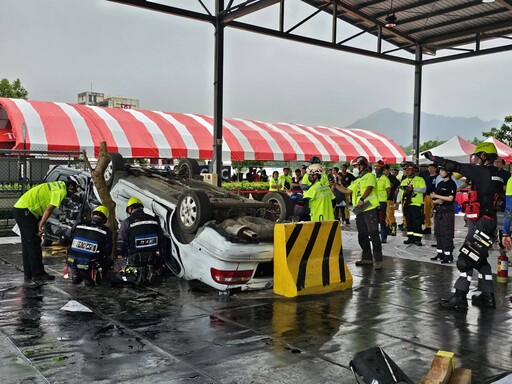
[[439, 256], [427, 231], [362, 262], [76, 278], [347, 221], [457, 301], [377, 265], [448, 259], [418, 243], [484, 300], [409, 240], [43, 277]]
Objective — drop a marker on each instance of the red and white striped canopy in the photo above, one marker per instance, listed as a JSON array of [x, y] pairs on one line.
[[151, 134], [504, 151]]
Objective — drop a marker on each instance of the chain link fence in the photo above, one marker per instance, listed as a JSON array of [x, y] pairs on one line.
[[21, 170]]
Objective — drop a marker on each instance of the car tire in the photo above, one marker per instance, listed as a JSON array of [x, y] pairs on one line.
[[116, 164], [263, 227], [194, 209], [284, 206], [187, 168]]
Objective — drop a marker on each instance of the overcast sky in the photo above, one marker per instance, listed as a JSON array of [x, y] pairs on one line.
[[58, 48]]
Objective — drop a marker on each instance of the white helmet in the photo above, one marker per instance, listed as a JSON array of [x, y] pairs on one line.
[[314, 169]]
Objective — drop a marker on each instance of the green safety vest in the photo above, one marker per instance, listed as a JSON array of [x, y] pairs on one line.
[[417, 182], [383, 184], [37, 199], [320, 202], [358, 187]]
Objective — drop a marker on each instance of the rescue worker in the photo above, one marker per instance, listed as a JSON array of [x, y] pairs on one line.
[[305, 184], [318, 196], [390, 211], [139, 242], [31, 211], [90, 248], [273, 183], [413, 187], [383, 194], [430, 182], [346, 179], [364, 197], [444, 216], [486, 187], [285, 180]]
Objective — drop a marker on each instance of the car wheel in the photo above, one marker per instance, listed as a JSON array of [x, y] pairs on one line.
[[194, 210], [282, 209], [187, 168], [116, 164]]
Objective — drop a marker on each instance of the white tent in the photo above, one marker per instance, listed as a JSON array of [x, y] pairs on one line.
[[456, 149]]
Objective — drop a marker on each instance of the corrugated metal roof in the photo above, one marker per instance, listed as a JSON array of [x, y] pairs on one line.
[[432, 24]]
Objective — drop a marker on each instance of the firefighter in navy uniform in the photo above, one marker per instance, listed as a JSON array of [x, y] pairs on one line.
[[139, 241], [485, 197], [90, 248]]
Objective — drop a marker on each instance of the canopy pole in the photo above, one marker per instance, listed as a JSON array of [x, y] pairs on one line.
[[418, 68], [218, 90]]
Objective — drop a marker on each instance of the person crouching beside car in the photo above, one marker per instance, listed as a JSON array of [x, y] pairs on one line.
[[90, 248], [31, 211], [139, 241]]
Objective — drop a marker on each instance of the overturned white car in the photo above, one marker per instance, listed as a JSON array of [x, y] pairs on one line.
[[213, 235]]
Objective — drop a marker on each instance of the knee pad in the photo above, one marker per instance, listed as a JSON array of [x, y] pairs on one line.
[[462, 264]]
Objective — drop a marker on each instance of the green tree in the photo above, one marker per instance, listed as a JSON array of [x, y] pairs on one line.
[[429, 145], [503, 134], [12, 90], [475, 141]]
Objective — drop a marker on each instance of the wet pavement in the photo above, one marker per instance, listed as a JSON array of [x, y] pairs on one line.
[[184, 332]]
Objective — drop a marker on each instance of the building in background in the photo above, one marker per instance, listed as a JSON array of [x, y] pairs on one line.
[[101, 100]]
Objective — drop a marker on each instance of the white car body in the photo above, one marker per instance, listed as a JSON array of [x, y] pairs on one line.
[[211, 255]]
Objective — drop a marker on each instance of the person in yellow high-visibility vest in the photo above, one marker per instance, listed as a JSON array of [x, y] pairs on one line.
[[413, 187], [365, 199], [383, 193], [319, 197]]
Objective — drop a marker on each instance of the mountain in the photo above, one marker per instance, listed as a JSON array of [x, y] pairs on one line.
[[398, 126]]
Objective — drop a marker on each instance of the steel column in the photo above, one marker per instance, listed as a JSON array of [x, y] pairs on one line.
[[418, 68], [218, 90]]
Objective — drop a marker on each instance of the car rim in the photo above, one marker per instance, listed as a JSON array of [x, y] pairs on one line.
[[188, 211], [274, 212]]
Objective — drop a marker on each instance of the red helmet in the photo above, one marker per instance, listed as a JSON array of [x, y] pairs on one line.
[[380, 164], [361, 160]]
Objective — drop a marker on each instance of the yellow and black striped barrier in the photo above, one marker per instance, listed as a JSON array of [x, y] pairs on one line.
[[308, 259]]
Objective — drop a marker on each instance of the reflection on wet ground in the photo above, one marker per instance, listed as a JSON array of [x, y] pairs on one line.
[[184, 332]]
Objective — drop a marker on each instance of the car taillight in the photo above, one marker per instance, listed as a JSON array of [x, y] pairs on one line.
[[230, 277]]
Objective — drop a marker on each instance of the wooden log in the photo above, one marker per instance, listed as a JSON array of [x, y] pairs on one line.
[[440, 371], [461, 376]]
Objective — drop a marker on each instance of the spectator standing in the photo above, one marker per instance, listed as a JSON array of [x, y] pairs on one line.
[[364, 196], [273, 183], [346, 179], [430, 181], [390, 211], [264, 176], [285, 180], [414, 188], [383, 194], [31, 211], [481, 211], [444, 216], [318, 197]]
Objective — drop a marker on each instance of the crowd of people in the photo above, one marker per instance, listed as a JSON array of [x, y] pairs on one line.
[[427, 199]]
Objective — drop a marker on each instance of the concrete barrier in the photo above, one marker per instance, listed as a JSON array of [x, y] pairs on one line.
[[308, 259]]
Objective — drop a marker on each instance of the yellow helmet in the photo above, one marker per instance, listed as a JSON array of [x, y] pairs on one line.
[[101, 209], [133, 201], [486, 147]]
